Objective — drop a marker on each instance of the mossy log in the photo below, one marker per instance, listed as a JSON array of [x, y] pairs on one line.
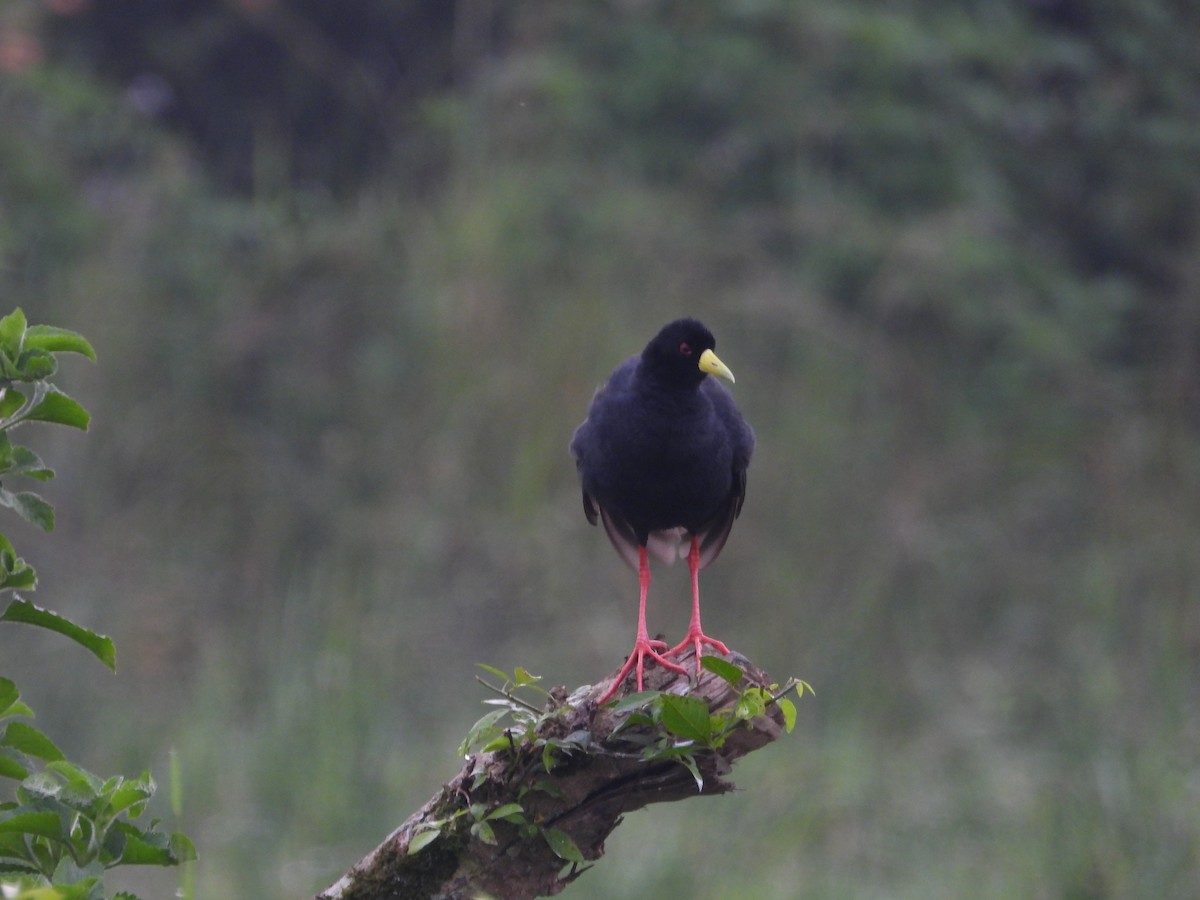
[[583, 797]]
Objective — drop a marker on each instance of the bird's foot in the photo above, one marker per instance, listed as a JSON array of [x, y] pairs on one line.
[[697, 638], [642, 648]]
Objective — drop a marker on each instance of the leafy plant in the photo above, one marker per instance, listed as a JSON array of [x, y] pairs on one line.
[[657, 726], [65, 826], [491, 734], [675, 726]]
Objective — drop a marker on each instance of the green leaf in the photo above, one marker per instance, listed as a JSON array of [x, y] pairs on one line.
[[499, 673], [718, 725], [11, 767], [66, 888], [130, 793], [43, 824], [8, 367], [31, 741], [627, 729], [522, 678], [631, 702], [73, 773], [145, 848], [19, 709], [81, 789], [39, 787], [130, 846], [788, 708], [47, 337], [722, 667], [23, 461], [8, 695], [20, 610], [70, 877], [549, 757], [16, 574], [502, 741], [752, 704], [12, 333], [509, 812], [10, 402], [58, 408], [482, 731], [686, 718], [689, 762], [563, 845], [37, 887], [423, 839], [30, 507], [485, 832], [181, 847], [127, 845], [580, 737], [35, 364]]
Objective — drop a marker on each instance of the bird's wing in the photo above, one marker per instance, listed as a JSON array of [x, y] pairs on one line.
[[716, 531], [741, 438], [623, 538], [584, 435], [741, 435], [619, 532], [589, 508]]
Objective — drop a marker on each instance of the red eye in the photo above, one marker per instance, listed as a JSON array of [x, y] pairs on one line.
[[685, 348]]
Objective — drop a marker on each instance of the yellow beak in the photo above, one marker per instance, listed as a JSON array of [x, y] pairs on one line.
[[713, 366]]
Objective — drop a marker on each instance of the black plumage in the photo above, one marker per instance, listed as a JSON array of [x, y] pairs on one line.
[[662, 458]]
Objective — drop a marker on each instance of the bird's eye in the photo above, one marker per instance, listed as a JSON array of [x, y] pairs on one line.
[[685, 348]]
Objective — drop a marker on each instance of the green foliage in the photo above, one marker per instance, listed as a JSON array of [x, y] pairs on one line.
[[22, 610], [65, 826], [26, 362], [65, 823], [563, 845], [656, 724], [517, 721], [671, 726], [27, 359], [659, 724], [478, 820]]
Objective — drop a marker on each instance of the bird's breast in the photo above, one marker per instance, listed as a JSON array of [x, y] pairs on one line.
[[662, 473]]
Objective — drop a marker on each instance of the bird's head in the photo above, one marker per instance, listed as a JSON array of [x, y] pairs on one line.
[[682, 354]]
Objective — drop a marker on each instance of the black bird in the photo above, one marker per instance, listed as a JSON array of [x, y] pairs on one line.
[[662, 456]]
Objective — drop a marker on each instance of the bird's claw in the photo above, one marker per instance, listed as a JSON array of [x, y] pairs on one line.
[[641, 649], [697, 640]]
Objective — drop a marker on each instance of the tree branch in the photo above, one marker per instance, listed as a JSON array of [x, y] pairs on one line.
[[507, 828]]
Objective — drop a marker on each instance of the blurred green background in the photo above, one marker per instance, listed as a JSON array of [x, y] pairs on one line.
[[353, 272]]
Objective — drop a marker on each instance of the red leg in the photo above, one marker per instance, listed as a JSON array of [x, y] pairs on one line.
[[695, 634], [642, 645]]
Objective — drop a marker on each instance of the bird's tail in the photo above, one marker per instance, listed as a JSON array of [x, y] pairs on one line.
[[669, 544]]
